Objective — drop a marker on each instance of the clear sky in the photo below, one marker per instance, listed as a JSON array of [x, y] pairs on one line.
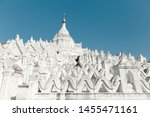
[[114, 25]]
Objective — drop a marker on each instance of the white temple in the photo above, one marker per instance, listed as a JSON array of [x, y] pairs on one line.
[[50, 70]]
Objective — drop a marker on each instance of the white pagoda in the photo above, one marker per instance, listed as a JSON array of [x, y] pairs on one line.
[[62, 70]]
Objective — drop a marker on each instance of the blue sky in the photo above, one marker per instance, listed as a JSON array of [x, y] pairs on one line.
[[114, 25]]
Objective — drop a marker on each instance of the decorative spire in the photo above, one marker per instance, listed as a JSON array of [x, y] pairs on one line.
[[63, 30], [17, 37], [64, 21]]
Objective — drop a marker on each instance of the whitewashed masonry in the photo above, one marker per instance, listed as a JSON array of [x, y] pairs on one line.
[[48, 70]]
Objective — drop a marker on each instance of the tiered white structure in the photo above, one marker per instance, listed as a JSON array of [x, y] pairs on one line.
[[48, 70]]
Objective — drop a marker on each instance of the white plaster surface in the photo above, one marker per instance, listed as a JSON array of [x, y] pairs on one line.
[[48, 70]]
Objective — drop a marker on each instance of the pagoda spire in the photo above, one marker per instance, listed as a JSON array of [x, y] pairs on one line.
[[64, 21]]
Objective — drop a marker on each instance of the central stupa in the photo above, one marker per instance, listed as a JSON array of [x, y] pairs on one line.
[[65, 43]]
